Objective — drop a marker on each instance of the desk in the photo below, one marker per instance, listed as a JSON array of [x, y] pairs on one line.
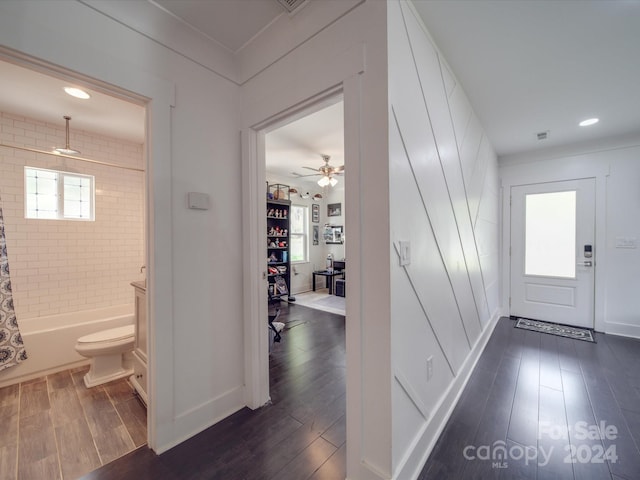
[[330, 278]]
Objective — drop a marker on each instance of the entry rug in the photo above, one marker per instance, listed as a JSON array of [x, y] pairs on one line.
[[555, 329]]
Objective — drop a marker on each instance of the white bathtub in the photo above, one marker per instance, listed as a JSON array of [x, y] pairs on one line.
[[50, 341]]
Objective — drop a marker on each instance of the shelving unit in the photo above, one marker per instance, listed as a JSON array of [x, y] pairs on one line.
[[278, 259]]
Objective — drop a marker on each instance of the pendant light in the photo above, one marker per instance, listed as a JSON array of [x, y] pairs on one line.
[[67, 150]]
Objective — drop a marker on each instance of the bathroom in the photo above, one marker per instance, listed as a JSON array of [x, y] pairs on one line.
[[70, 278]]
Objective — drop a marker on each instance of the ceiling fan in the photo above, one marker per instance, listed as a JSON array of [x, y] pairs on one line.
[[327, 171]]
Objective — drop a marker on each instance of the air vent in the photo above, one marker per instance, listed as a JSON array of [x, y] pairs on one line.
[[291, 5], [543, 135]]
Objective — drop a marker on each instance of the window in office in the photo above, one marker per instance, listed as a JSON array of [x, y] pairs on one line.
[[299, 234], [57, 195]]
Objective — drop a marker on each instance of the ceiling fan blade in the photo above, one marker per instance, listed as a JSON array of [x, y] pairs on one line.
[[309, 168], [339, 169], [301, 176]]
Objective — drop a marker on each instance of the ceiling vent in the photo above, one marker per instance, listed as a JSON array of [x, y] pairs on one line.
[[291, 5], [543, 135]]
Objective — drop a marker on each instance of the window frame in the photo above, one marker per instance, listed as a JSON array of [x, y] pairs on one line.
[[61, 175], [304, 235]]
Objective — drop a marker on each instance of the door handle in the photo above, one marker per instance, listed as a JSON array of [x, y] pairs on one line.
[[588, 263]]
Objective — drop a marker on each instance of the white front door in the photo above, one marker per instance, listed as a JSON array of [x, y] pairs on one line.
[[553, 252]]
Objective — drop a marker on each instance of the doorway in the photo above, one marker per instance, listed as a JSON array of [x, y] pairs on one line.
[[65, 406], [552, 252]]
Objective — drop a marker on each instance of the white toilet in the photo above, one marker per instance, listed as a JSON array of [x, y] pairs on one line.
[[105, 350]]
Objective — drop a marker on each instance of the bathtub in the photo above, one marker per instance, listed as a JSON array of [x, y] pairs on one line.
[[50, 341]]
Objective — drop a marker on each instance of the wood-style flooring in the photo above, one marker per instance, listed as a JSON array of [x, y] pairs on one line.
[[523, 380], [300, 436], [563, 409], [53, 427]]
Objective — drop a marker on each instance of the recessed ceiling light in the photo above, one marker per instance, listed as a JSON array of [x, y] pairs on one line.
[[76, 92], [589, 121]]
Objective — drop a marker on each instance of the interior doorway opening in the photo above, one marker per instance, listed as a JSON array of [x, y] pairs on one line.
[[304, 160], [61, 384]]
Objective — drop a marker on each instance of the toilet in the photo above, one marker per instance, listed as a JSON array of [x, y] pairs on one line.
[[105, 349]]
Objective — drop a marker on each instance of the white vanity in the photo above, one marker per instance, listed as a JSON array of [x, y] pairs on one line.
[[139, 377]]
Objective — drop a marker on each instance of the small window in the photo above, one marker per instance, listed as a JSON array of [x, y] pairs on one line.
[[299, 235], [56, 195]]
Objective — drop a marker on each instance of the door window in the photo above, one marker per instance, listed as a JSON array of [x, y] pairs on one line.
[[550, 238]]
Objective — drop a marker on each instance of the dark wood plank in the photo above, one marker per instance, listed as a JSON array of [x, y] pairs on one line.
[[337, 433], [306, 464], [578, 409], [523, 426], [553, 436], [493, 427], [334, 467]]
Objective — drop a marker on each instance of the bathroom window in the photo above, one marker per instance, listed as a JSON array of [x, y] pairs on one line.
[[299, 236], [57, 195]]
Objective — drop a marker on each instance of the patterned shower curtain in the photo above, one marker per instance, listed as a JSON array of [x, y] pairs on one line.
[[11, 347]]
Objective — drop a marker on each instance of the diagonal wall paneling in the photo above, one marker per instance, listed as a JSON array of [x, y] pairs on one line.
[[444, 201]]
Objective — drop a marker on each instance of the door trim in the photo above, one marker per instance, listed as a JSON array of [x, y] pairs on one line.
[[545, 171], [578, 289]]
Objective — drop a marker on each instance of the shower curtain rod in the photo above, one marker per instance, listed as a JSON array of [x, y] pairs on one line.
[[98, 162]]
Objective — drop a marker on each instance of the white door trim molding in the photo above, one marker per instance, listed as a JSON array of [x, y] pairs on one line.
[[555, 171]]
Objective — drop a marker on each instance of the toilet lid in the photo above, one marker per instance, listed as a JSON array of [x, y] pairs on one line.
[[110, 335]]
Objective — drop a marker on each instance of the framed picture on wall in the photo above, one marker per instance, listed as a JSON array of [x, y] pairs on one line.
[[315, 213], [334, 209], [316, 234]]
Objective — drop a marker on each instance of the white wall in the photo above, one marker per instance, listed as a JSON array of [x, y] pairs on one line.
[[63, 266], [195, 274], [352, 53], [614, 164], [444, 201]]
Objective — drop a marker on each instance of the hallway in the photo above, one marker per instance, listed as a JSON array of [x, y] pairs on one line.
[[526, 389]]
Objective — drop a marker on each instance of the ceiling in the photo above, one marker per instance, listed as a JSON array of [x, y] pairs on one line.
[[536, 66], [291, 148], [35, 95], [526, 66]]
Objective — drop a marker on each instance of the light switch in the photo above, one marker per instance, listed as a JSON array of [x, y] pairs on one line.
[[405, 253], [626, 242]]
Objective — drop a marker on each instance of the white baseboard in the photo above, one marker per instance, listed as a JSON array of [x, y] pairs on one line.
[[622, 329], [424, 442]]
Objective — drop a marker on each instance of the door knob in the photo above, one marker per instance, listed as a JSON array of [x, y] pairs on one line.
[[588, 263]]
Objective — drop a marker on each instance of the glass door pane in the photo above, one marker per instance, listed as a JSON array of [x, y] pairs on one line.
[[550, 234]]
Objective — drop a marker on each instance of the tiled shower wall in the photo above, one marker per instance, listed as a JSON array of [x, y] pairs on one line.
[[60, 266]]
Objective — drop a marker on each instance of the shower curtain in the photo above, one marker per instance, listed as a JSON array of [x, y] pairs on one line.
[[12, 349]]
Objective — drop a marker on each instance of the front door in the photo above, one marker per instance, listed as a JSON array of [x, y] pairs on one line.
[[553, 252]]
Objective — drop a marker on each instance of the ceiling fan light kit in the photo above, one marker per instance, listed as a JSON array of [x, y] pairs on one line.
[[327, 171]]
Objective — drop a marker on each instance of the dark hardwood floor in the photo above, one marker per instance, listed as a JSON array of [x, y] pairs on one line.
[[528, 389], [301, 435], [564, 409]]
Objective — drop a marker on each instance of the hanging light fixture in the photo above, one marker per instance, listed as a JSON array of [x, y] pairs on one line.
[[67, 150]]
